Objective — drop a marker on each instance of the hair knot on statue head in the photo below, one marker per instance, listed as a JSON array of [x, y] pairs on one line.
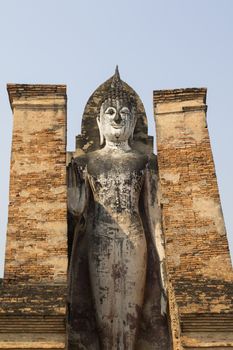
[[116, 92]]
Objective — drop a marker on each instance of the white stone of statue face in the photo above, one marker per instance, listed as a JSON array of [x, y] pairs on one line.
[[116, 123]]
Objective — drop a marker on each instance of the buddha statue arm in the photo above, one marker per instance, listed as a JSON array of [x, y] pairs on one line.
[[77, 190], [153, 215]]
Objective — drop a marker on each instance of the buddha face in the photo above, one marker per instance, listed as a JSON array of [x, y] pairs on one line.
[[116, 123]]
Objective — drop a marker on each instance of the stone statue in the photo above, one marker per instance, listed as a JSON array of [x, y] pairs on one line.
[[114, 218]]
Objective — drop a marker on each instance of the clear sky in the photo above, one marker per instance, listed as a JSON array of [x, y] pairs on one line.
[[158, 44]]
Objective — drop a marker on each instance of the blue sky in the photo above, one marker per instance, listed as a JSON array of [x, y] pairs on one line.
[[157, 45]]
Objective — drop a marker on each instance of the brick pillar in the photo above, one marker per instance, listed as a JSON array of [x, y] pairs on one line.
[[197, 253], [36, 249]]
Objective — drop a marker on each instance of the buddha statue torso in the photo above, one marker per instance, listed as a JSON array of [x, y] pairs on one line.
[[117, 250]]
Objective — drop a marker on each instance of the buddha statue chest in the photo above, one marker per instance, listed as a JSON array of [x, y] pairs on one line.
[[116, 184]]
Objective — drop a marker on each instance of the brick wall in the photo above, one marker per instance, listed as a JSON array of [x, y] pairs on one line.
[[36, 248], [197, 253]]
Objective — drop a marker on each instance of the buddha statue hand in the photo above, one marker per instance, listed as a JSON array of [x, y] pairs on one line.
[[76, 189]]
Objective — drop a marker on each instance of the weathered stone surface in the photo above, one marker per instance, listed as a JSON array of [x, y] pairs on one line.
[[197, 253], [117, 251], [89, 140]]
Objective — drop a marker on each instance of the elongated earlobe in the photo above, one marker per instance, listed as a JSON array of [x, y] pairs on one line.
[[131, 135], [100, 131], [134, 124]]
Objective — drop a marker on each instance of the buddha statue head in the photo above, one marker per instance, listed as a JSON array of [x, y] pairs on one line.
[[117, 118]]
